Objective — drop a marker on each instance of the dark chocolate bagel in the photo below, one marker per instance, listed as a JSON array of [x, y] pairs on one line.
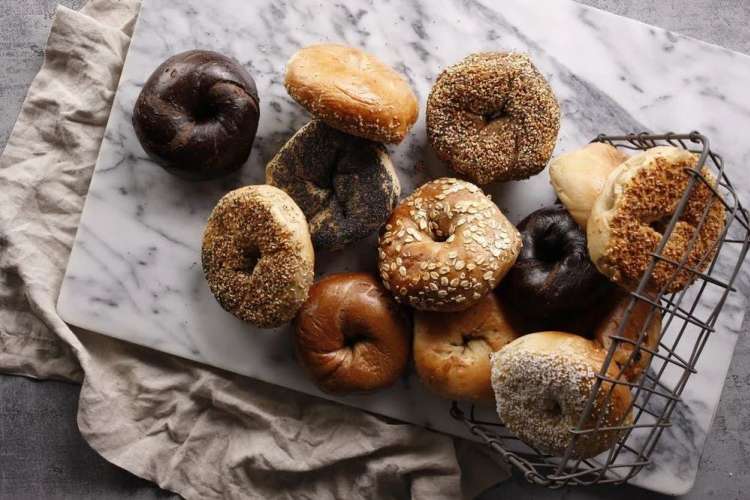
[[553, 276], [197, 115], [345, 185]]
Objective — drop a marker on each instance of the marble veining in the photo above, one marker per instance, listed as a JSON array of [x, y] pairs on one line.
[[135, 268]]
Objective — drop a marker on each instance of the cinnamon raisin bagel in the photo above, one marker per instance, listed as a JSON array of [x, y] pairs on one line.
[[644, 319]]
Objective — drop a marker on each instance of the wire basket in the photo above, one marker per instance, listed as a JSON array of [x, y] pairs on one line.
[[688, 318]]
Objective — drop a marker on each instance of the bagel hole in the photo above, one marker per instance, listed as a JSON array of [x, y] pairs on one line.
[[465, 339], [551, 407], [437, 235], [660, 225], [204, 111], [549, 248], [352, 339], [494, 115], [250, 258]]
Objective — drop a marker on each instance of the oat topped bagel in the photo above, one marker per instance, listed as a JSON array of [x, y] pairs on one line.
[[445, 246]]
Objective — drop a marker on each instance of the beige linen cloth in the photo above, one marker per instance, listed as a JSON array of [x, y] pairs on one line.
[[194, 430]]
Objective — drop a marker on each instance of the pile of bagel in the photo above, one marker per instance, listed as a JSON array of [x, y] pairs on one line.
[[519, 316]]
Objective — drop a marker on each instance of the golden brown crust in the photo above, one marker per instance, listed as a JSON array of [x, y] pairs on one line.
[[452, 350], [351, 336], [639, 199], [631, 361], [257, 255], [352, 91], [579, 177], [493, 117], [476, 246], [542, 382]]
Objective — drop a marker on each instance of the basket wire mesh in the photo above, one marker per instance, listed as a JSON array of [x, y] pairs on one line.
[[658, 392]]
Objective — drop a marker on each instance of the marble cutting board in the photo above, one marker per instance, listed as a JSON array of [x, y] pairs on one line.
[[135, 274]]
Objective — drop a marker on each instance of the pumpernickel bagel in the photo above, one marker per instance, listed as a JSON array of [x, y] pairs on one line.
[[197, 115]]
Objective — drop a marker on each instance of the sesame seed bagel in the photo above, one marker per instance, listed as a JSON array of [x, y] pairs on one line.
[[345, 185], [452, 350], [542, 382], [352, 91], [446, 246], [257, 255], [637, 203], [493, 117]]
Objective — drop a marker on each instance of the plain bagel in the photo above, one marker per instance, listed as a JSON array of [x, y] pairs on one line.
[[452, 350], [579, 177], [352, 91]]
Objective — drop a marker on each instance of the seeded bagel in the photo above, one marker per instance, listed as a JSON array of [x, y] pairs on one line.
[[257, 255], [493, 117], [345, 185]]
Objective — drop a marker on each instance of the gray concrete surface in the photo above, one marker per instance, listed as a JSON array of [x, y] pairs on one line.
[[43, 456]]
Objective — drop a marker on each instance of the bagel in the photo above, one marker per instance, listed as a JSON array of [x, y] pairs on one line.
[[493, 117], [352, 91], [641, 321], [257, 255], [553, 279], [197, 115], [351, 336], [635, 207], [346, 186], [446, 246], [542, 383], [452, 350], [579, 177]]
